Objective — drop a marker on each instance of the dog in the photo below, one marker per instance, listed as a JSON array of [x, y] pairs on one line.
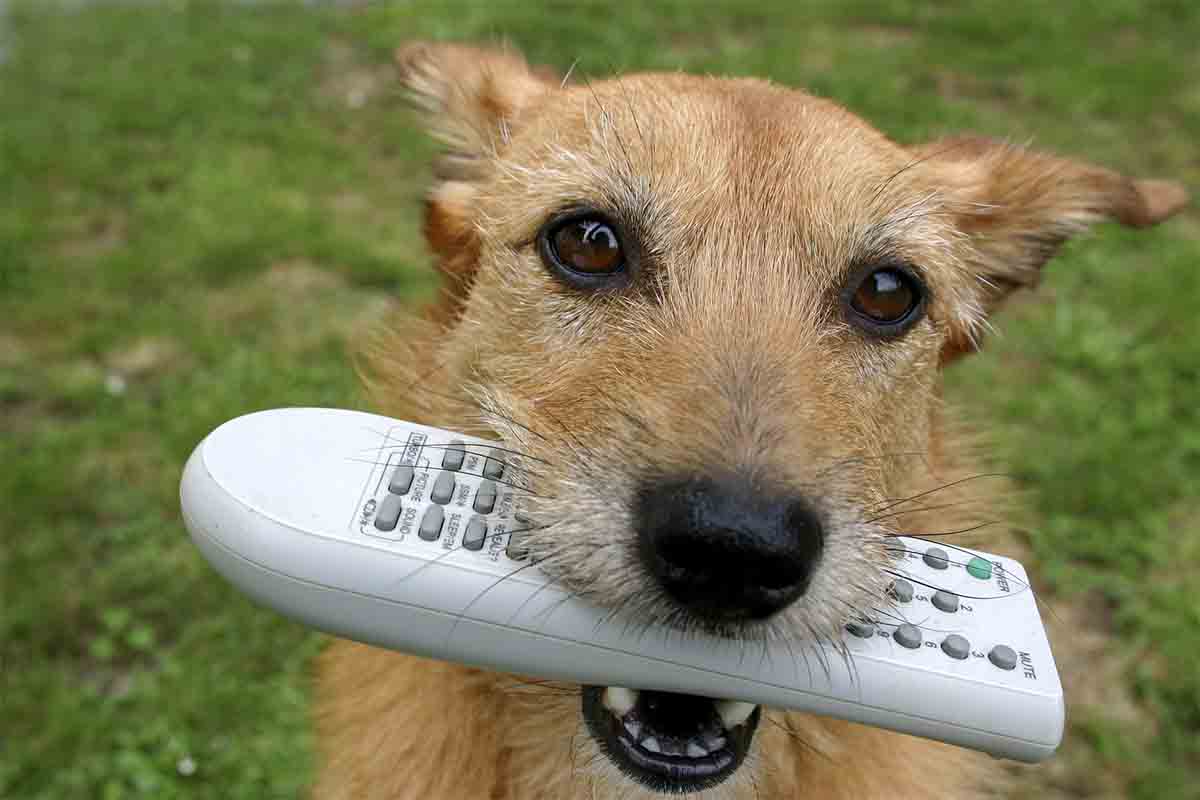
[[712, 315]]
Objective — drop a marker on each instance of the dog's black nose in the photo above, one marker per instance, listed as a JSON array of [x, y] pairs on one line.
[[727, 552]]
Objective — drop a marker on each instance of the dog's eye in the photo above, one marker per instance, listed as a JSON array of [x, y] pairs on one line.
[[584, 249], [887, 300]]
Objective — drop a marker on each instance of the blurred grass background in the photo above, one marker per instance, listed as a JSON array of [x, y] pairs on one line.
[[203, 205]]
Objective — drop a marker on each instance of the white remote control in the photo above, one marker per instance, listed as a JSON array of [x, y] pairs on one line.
[[407, 537]]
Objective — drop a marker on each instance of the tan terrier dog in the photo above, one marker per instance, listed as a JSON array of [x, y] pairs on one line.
[[713, 314]]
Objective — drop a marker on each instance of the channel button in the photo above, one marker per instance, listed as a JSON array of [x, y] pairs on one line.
[[453, 457]]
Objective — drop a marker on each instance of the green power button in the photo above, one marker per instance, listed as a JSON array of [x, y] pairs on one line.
[[980, 568]]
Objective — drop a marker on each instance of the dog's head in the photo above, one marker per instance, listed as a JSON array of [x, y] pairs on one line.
[[712, 314]]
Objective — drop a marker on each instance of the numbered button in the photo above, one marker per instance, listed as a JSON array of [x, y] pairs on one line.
[[956, 646], [901, 590], [936, 557], [861, 628], [908, 636], [945, 601]]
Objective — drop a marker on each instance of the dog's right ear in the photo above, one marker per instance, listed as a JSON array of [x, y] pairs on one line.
[[472, 98]]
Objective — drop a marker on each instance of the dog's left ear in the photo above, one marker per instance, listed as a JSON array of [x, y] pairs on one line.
[[472, 99], [1017, 207]]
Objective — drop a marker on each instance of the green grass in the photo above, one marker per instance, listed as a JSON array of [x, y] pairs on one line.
[[202, 207]]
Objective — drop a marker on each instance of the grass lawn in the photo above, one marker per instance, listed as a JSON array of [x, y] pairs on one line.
[[203, 206]]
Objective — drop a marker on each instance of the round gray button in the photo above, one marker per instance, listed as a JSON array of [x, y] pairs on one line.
[[945, 601], [936, 557], [861, 628], [1003, 656], [901, 590], [908, 636], [956, 646]]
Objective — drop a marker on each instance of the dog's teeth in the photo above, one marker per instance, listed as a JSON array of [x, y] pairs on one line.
[[633, 728], [651, 744], [734, 712], [619, 700], [714, 742], [696, 751]]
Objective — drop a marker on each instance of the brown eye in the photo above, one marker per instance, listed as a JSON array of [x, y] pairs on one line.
[[584, 250], [588, 245], [886, 300]]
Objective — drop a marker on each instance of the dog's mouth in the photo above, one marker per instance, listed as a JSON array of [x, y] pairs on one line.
[[669, 742]]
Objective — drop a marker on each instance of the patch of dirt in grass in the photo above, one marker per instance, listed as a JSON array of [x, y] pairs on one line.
[[296, 284], [884, 35], [960, 87], [98, 236], [13, 351], [145, 357], [299, 276]]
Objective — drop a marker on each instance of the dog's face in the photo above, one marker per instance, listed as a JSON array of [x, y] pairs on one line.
[[711, 314]]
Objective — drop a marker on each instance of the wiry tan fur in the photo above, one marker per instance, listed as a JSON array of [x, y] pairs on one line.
[[754, 204]]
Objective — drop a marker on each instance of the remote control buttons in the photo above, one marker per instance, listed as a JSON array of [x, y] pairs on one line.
[[431, 523], [936, 557], [980, 568], [861, 628], [475, 533], [908, 636], [516, 549], [453, 457], [443, 488], [402, 480], [945, 601], [1003, 656], [956, 646], [388, 514], [901, 591], [485, 498], [493, 467]]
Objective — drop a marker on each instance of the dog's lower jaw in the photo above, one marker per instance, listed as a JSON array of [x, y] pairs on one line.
[[669, 743]]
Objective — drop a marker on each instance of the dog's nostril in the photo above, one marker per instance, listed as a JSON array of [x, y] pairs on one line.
[[724, 551]]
